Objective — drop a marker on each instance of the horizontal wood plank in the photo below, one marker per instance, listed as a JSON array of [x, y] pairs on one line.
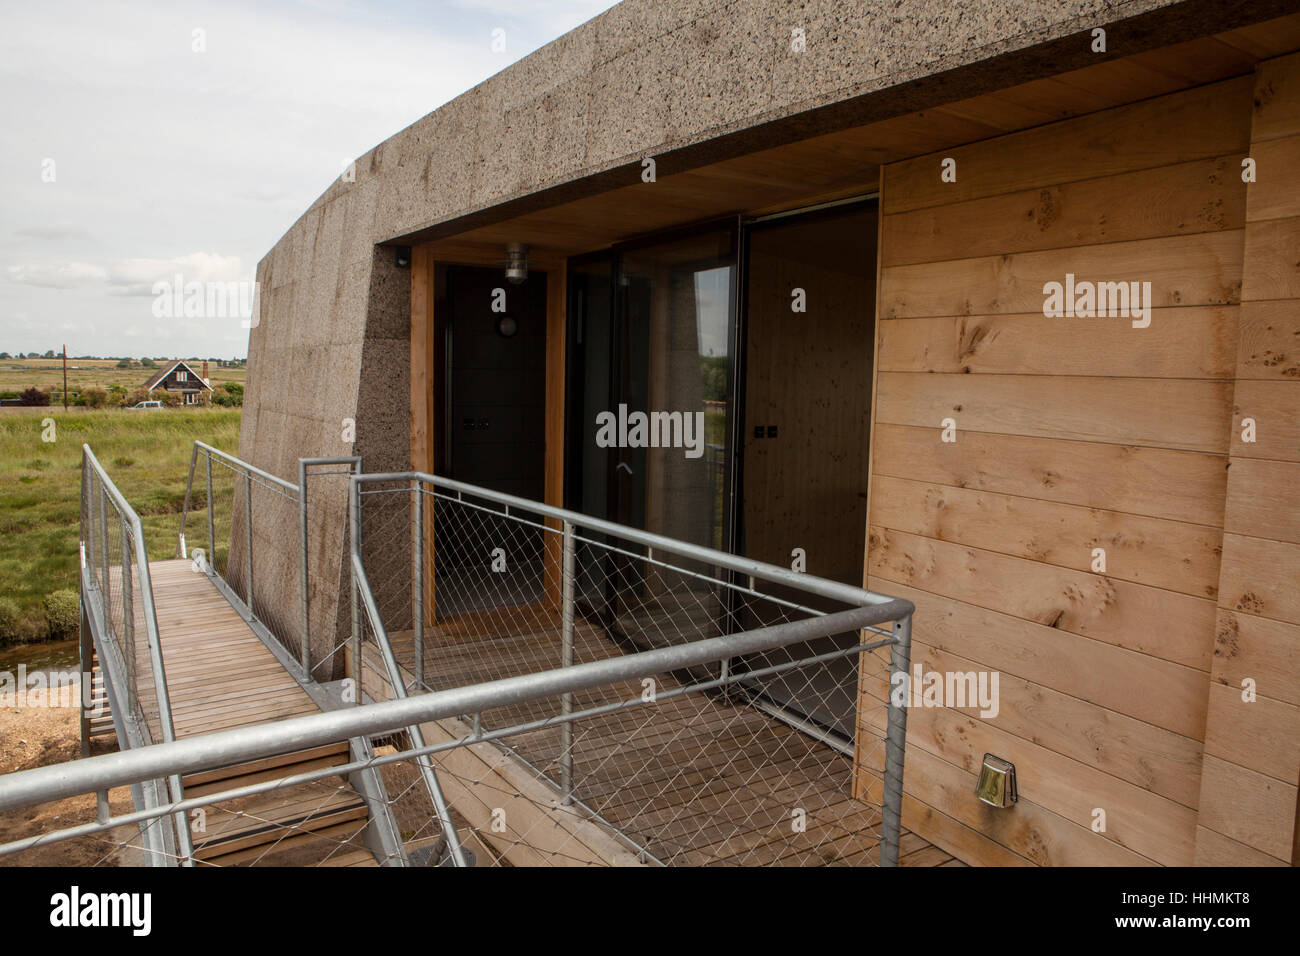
[[1210, 121], [1168, 554], [1161, 413], [1248, 807], [1274, 271], [1196, 342], [1157, 706], [1116, 612], [1201, 196], [1275, 408], [1267, 652], [1264, 499], [1203, 269], [1261, 577], [1180, 486], [1270, 341], [1262, 734]]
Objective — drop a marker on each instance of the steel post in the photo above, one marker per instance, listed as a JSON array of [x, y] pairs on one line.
[[895, 744], [566, 661]]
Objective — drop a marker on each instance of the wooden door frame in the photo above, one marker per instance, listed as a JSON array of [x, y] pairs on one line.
[[425, 258]]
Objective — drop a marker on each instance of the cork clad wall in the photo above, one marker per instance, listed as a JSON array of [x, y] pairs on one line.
[[1075, 440]]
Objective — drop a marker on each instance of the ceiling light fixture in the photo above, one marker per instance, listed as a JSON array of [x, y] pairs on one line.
[[516, 262]]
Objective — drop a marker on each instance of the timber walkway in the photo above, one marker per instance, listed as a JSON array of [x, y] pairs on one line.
[[531, 738]]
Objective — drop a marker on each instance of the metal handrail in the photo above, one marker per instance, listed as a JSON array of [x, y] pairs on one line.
[[295, 492], [226, 747], [150, 613], [859, 598], [362, 591], [822, 587]]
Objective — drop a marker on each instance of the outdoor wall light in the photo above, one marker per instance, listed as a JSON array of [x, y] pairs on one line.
[[997, 783], [402, 257], [516, 262]]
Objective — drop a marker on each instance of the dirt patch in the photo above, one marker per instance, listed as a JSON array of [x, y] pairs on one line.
[[38, 737]]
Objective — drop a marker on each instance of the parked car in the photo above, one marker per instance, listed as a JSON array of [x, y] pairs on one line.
[[146, 405]]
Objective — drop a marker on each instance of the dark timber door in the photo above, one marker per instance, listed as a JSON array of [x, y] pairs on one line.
[[809, 332], [494, 430]]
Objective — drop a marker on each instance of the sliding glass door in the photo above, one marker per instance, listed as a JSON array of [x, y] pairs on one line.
[[651, 333]]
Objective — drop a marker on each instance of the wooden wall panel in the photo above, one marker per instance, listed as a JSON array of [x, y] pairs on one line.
[[1157, 706], [1202, 269], [1191, 342], [1252, 743], [1072, 434], [797, 486], [1155, 133], [1147, 481], [1160, 413], [1154, 551], [1269, 347], [1200, 196]]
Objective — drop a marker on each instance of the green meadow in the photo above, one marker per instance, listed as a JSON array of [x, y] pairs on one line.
[[146, 454]]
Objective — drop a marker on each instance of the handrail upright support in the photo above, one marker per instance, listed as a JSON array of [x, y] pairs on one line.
[[212, 530], [248, 545], [891, 810], [303, 583], [354, 520], [417, 584], [566, 661], [189, 486]]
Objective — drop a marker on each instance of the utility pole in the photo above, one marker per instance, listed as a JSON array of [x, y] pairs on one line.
[[65, 377]]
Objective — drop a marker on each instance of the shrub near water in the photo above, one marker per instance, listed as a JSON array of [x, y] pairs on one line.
[[40, 492], [62, 614], [9, 618]]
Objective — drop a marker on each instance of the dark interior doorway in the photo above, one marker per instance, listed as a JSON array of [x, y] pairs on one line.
[[492, 411]]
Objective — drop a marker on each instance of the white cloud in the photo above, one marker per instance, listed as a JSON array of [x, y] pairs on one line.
[[56, 275], [161, 151], [53, 232]]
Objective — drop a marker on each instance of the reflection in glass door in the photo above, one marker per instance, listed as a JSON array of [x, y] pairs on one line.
[[651, 332]]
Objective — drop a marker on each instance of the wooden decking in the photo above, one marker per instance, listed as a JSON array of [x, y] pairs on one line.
[[219, 674], [691, 779]]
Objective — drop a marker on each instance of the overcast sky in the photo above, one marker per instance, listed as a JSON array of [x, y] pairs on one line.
[[166, 160]]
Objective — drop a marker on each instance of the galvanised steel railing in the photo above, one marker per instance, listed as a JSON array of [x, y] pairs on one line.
[[663, 646], [117, 608], [241, 503], [456, 586], [224, 748]]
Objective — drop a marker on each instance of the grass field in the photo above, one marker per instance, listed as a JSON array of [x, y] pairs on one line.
[[18, 374], [146, 453]]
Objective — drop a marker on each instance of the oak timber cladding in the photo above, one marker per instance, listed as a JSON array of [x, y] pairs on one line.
[[1072, 434], [1252, 749]]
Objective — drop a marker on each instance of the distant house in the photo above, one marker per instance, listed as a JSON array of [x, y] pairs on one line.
[[179, 377]]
